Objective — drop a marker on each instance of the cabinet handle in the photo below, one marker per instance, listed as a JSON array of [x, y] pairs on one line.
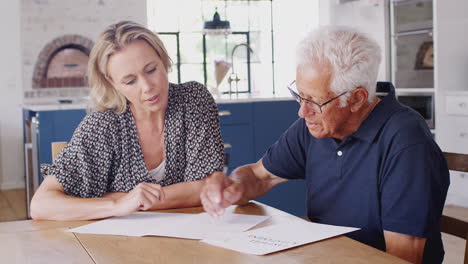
[[227, 146], [462, 105], [224, 113], [462, 134]]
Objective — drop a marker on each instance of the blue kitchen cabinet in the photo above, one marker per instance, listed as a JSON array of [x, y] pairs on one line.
[[56, 126], [271, 120], [249, 129], [237, 133], [52, 126], [238, 142]]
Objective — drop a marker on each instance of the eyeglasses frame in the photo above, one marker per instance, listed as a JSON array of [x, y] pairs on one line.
[[300, 99]]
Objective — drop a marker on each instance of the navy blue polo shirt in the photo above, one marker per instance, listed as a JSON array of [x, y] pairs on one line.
[[388, 175]]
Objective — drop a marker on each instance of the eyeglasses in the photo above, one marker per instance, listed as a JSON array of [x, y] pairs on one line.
[[314, 105]]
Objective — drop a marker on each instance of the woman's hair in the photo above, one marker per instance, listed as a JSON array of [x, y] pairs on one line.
[[117, 36], [352, 57]]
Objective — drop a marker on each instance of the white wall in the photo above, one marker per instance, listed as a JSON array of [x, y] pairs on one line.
[[368, 16], [11, 154], [451, 83]]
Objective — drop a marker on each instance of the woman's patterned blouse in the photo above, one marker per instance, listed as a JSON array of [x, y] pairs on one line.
[[104, 154]]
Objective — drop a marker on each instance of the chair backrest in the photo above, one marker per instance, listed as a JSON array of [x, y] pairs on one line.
[[57, 147], [450, 224]]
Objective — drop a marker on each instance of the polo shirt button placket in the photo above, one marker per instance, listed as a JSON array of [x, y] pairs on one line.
[[339, 153]]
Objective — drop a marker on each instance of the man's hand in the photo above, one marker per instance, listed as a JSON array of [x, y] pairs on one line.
[[220, 192], [142, 197]]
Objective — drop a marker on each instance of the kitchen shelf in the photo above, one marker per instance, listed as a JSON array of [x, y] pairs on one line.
[[397, 2], [414, 32], [414, 90]]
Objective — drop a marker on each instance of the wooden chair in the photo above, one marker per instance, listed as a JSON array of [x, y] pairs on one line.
[[56, 148], [449, 224]]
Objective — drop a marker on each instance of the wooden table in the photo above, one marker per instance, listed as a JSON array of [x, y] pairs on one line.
[[48, 242]]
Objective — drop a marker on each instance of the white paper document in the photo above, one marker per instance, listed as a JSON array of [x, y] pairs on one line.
[[191, 226], [273, 238]]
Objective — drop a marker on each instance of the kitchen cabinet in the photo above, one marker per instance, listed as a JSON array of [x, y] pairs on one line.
[[236, 129], [41, 128], [249, 129], [412, 49], [47, 127], [271, 120]]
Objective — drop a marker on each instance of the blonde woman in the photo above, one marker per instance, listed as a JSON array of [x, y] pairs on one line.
[[148, 145]]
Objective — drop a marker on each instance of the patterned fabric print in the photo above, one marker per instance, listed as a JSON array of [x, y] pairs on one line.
[[104, 154]]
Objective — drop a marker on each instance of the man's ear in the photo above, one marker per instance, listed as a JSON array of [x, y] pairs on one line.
[[358, 99]]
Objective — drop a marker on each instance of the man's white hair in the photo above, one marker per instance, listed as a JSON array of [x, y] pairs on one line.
[[353, 58]]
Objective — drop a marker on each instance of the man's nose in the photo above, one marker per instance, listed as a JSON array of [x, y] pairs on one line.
[[304, 110]]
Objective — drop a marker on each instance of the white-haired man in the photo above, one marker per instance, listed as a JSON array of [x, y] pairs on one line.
[[367, 162]]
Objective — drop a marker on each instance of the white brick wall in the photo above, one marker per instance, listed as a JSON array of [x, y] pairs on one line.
[[44, 20]]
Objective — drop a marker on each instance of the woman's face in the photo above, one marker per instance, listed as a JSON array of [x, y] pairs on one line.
[[138, 73]]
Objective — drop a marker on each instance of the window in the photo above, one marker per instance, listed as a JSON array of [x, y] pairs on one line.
[[180, 26]]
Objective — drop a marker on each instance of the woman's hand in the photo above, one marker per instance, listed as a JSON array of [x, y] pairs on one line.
[[143, 197]]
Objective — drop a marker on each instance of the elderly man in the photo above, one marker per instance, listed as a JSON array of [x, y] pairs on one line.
[[367, 162]]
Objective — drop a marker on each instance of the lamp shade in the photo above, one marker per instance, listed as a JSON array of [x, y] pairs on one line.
[[217, 26]]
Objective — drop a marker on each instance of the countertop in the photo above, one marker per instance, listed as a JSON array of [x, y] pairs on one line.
[[50, 104]]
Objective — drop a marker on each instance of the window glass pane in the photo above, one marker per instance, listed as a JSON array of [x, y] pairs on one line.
[[188, 16], [191, 48], [190, 13], [262, 78], [237, 12], [172, 75], [170, 42], [241, 51], [217, 54], [219, 48], [163, 15], [260, 16], [191, 72]]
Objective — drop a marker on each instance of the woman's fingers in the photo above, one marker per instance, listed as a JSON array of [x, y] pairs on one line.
[[149, 194]]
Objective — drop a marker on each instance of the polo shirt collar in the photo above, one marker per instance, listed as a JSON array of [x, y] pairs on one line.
[[379, 115]]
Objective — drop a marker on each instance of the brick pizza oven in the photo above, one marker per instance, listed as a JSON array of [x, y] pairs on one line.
[[63, 63]]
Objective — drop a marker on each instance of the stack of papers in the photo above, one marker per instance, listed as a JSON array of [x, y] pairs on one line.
[[274, 238], [190, 226], [227, 232]]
